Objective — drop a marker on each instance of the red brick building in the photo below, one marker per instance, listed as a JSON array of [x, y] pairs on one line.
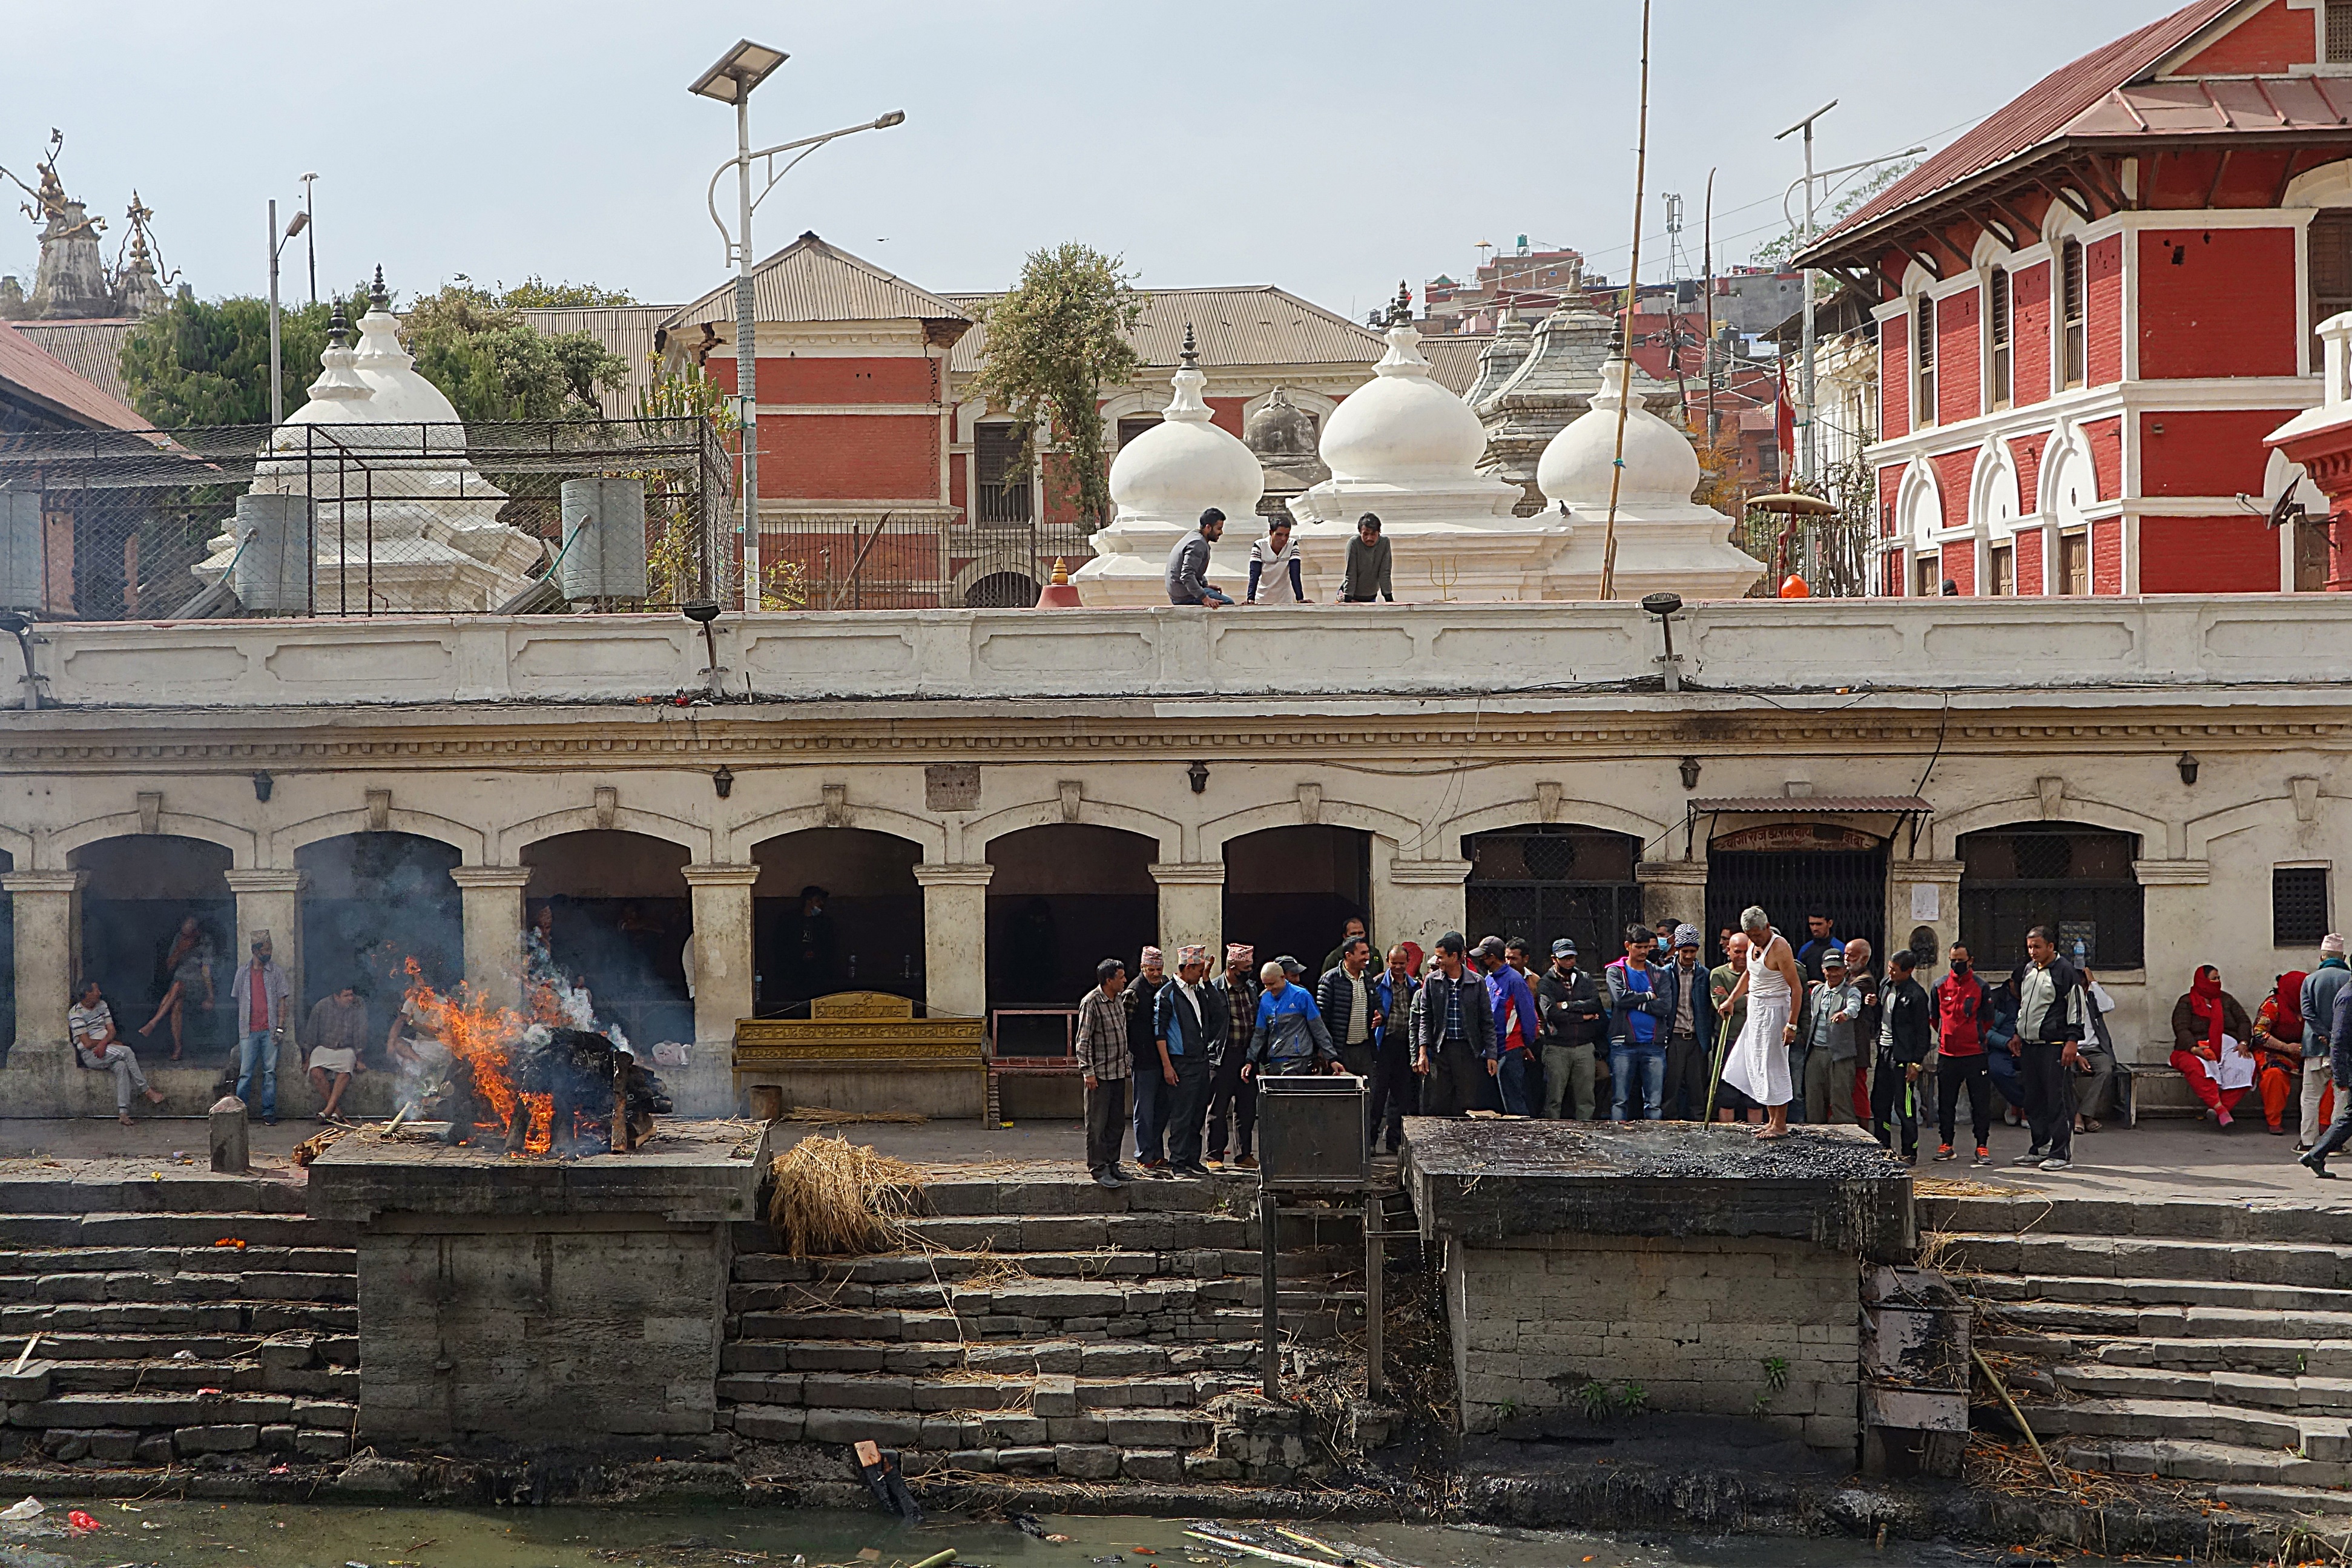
[[867, 425], [2095, 305]]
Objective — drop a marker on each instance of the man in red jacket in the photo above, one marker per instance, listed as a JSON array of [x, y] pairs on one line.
[[1962, 1011]]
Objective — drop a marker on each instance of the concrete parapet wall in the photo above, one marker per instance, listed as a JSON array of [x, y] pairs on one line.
[[1705, 1325]]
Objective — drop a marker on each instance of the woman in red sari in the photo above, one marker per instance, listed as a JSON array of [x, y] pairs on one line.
[[2211, 1034], [2278, 1048]]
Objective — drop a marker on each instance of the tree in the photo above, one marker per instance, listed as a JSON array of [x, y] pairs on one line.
[[1054, 343], [535, 292], [1775, 253], [493, 365], [207, 361]]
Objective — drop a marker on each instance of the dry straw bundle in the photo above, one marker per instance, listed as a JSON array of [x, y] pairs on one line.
[[835, 1196]]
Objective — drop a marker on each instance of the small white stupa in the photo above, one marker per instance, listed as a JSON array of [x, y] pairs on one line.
[[403, 519], [1161, 481], [1407, 450], [1665, 541]]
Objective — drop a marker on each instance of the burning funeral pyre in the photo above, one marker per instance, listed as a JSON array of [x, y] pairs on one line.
[[546, 1074]]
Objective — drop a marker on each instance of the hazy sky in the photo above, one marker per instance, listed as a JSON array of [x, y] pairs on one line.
[[1331, 148]]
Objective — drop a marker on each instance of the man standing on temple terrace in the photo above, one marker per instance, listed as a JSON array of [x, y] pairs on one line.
[[1573, 1022], [2320, 989], [1368, 564], [1349, 929], [1456, 1036], [1105, 1061], [1275, 572], [1512, 1007], [1188, 564], [259, 993], [1232, 1101], [1188, 1024], [1352, 1012]]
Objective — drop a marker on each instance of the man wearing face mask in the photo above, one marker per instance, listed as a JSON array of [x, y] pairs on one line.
[[1962, 1010]]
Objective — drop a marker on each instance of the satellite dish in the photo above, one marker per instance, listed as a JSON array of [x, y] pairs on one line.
[[2286, 509]]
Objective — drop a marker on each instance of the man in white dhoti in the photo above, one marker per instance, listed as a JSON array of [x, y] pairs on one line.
[[1758, 1063]]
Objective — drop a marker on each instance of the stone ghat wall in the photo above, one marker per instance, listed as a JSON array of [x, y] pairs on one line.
[[531, 1338], [1694, 1322]]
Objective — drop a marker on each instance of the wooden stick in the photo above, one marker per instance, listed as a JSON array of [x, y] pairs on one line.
[[938, 1559], [2016, 1414], [1266, 1552], [1625, 330], [1304, 1539], [27, 1353]]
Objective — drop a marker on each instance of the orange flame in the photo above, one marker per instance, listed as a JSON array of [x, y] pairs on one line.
[[484, 1033]]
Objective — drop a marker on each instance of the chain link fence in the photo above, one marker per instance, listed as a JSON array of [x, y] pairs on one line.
[[365, 519]]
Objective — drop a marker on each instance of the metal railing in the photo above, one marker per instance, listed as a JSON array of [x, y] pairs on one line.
[[444, 517]]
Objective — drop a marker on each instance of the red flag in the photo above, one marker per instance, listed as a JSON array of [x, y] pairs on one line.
[[1784, 427]]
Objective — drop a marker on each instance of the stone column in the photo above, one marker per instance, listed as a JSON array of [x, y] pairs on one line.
[[48, 912], [1192, 909], [955, 938], [2176, 927], [1925, 893], [722, 986], [491, 904], [272, 901], [1674, 892], [1421, 900]]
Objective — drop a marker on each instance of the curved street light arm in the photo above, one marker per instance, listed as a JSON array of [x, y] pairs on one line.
[[805, 146]]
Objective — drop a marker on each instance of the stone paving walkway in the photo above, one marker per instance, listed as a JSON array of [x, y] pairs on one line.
[[2167, 1158]]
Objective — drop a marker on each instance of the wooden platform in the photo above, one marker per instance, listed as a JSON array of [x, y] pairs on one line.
[[866, 1050]]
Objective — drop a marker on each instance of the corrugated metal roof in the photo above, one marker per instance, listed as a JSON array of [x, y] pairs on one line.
[[627, 330], [91, 350], [1863, 804], [2202, 107], [1259, 325], [28, 370], [809, 280], [1453, 359], [2043, 113]]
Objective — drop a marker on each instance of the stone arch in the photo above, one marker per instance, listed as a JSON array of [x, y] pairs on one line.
[[471, 843], [1449, 833], [17, 845], [373, 901], [991, 563], [1994, 504], [2156, 835], [2328, 185], [1399, 831], [1168, 834], [869, 934], [242, 843], [2201, 832], [516, 836], [1919, 506], [740, 839], [2070, 478]]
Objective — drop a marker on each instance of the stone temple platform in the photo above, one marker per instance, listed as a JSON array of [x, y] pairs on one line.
[[1717, 1273], [507, 1303]]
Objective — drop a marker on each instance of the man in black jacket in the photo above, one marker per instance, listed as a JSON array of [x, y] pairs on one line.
[[1190, 1023], [1906, 1035], [1455, 1047], [1350, 1007], [1573, 1023], [1152, 1081], [1233, 1102], [2049, 992]]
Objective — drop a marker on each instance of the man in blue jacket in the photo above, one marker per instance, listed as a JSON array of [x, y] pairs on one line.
[[1639, 1012], [1689, 1027], [1188, 1024], [1396, 1092], [1516, 1026]]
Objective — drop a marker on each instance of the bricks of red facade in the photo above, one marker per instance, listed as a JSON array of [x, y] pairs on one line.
[[2026, 451], [2206, 452], [2028, 292], [2216, 302], [2207, 555], [842, 456], [905, 379], [2029, 562], [1960, 565], [1958, 379], [2102, 274], [1895, 377]]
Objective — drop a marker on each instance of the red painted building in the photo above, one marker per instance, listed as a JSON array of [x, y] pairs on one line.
[[2094, 307]]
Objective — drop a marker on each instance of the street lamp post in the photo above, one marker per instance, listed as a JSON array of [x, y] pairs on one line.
[[277, 372], [741, 69], [311, 239]]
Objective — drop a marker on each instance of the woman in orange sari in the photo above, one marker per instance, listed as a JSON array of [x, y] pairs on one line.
[[2278, 1048]]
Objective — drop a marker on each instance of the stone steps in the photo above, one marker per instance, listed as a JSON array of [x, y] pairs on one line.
[[1092, 1358], [2311, 1396], [263, 1317], [128, 1285], [1045, 1394], [2287, 1500], [2102, 1290], [2198, 1460], [952, 1432], [121, 1229], [2173, 1322], [2093, 1221], [2321, 1438], [175, 1193], [2277, 1263]]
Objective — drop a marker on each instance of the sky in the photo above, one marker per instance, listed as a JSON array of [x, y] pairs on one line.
[[1330, 147]]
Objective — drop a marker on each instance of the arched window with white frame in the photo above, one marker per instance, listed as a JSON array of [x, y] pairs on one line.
[[1998, 360], [1923, 360]]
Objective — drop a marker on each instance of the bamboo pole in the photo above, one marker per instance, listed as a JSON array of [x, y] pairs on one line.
[[1625, 331], [2016, 1415]]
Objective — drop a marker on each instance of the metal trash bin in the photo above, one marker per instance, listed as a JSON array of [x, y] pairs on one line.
[[1310, 1134]]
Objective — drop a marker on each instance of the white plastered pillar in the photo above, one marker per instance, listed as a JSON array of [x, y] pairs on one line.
[[955, 938], [47, 909], [1192, 908], [490, 903]]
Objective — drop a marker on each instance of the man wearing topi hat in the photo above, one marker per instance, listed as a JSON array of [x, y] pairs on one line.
[[1190, 1025], [1232, 1101]]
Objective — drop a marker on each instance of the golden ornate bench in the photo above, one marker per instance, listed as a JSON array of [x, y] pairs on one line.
[[866, 1050]]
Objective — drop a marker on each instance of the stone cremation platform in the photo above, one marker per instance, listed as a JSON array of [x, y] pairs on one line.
[[1715, 1272], [516, 1303]]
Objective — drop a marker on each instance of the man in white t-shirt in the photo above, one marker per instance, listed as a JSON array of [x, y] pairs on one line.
[[1275, 577], [98, 1047]]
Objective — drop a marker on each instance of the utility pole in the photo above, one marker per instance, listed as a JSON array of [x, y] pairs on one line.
[[1707, 263], [310, 233], [1805, 441], [277, 372]]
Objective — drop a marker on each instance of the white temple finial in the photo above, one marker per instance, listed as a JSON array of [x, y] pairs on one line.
[[1187, 406], [338, 381]]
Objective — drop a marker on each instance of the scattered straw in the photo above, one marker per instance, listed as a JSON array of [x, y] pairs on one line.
[[316, 1144], [819, 1116], [834, 1196]]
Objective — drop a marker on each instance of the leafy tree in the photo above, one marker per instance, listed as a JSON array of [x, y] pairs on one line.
[[1054, 343], [535, 292], [493, 365], [207, 361], [1775, 253]]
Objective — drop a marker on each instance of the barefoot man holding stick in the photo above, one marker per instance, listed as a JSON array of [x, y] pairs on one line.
[[1758, 1062]]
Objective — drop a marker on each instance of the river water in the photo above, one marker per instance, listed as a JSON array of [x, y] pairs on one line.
[[254, 1535]]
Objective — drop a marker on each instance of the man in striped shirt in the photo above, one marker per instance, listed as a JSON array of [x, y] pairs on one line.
[[1104, 1057]]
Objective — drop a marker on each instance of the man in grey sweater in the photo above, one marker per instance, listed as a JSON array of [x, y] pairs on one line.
[[1188, 564], [1368, 564]]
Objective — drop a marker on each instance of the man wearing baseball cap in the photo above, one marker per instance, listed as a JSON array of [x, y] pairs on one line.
[[1690, 1028], [1572, 1023]]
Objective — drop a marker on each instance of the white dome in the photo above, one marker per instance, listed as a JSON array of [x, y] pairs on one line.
[[1660, 467], [1185, 464], [1404, 429], [338, 397], [389, 371]]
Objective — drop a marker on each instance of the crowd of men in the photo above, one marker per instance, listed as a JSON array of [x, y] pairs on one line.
[[1776, 1033]]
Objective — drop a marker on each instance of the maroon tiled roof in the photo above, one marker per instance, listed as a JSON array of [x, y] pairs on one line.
[[27, 372], [2052, 108]]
